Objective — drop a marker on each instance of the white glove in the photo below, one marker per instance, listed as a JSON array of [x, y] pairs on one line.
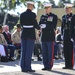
[[62, 37], [43, 26], [72, 40], [61, 45]]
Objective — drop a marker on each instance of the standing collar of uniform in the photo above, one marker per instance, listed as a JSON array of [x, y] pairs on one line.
[[69, 14], [49, 14], [29, 10]]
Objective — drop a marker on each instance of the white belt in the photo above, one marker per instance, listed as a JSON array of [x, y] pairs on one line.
[[27, 26]]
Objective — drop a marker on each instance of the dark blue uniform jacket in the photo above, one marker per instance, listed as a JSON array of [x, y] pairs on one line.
[[73, 28], [28, 18], [48, 33], [66, 26]]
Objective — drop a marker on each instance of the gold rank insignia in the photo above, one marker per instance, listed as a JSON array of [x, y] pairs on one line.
[[50, 19]]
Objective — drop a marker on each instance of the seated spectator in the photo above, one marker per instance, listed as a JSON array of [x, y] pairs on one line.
[[7, 36], [37, 47], [4, 58], [59, 43], [55, 51], [16, 39], [3, 49]]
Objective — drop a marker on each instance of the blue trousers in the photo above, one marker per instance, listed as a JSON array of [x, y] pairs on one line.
[[74, 53], [6, 50], [48, 53], [12, 49], [55, 49], [17, 46], [27, 47]]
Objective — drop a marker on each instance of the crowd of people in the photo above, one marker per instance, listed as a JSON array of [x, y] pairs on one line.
[[9, 42], [44, 38], [12, 42]]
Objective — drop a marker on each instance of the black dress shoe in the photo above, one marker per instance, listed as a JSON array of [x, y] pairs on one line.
[[48, 69], [32, 59], [28, 71], [11, 59], [4, 59], [56, 58], [22, 71], [71, 68], [31, 70], [44, 68], [39, 59], [64, 68]]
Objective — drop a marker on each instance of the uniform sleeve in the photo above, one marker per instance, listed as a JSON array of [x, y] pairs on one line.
[[55, 22], [62, 26], [35, 23], [41, 21]]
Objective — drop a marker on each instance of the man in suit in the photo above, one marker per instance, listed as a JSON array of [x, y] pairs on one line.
[[7, 36], [48, 23], [66, 32], [29, 23]]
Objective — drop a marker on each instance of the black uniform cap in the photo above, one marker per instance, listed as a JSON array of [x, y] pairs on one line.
[[18, 26]]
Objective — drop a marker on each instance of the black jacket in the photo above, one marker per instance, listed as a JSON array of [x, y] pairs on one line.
[[28, 18], [66, 26], [48, 33], [73, 28], [8, 37]]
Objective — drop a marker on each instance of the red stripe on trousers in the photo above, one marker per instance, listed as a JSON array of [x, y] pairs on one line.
[[52, 53]]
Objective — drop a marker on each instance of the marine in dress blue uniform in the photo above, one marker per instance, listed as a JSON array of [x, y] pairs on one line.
[[73, 35], [66, 32], [48, 24], [29, 23]]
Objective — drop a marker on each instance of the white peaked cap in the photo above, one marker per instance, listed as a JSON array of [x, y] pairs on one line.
[[67, 5], [47, 5], [30, 2]]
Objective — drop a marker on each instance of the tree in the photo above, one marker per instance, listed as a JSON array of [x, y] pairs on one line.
[[63, 1], [60, 4], [39, 4], [74, 3], [53, 2], [10, 5], [68, 1]]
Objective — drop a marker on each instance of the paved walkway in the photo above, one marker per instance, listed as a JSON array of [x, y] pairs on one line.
[[13, 68]]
